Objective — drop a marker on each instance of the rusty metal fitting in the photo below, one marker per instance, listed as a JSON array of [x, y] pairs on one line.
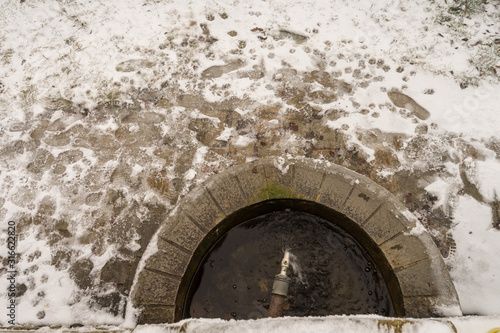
[[280, 285]]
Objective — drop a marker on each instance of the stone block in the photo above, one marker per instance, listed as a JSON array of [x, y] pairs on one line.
[[421, 306], [180, 230], [364, 200], [206, 130], [269, 112], [280, 174], [170, 260], [252, 179], [418, 280], [384, 224], [241, 154], [448, 293], [404, 250], [268, 137], [307, 182], [120, 272], [227, 192], [336, 189], [265, 152], [280, 180], [202, 209], [158, 314], [330, 139], [155, 288], [80, 273], [444, 303], [219, 151]]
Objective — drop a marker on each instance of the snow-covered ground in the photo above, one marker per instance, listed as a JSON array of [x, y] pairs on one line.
[[353, 324], [110, 111]]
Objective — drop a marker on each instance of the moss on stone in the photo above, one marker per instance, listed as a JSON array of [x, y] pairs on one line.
[[277, 191]]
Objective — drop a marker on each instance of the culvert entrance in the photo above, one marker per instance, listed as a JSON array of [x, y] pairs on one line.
[[332, 273], [416, 276]]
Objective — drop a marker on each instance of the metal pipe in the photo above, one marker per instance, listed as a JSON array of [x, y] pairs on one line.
[[280, 289], [276, 306]]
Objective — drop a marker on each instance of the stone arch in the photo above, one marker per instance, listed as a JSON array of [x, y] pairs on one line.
[[414, 262]]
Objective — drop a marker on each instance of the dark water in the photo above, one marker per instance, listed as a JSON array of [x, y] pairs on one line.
[[335, 275]]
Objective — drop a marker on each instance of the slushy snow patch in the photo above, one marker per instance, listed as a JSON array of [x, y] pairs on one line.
[[441, 189]]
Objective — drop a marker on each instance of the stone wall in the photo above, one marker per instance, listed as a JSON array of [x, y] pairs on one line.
[[117, 170]]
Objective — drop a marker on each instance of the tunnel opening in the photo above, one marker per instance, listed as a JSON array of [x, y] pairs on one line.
[[337, 268]]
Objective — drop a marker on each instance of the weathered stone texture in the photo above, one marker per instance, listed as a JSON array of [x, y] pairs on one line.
[[180, 230], [157, 314], [307, 182], [386, 223], [404, 250], [202, 210], [253, 182], [226, 190], [169, 260], [154, 288], [364, 201]]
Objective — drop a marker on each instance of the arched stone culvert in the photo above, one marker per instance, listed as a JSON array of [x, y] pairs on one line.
[[413, 268]]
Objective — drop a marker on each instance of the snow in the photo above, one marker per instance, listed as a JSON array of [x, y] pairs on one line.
[[54, 292], [487, 178], [270, 325], [417, 230], [70, 51], [441, 189], [475, 107], [477, 324], [348, 324], [131, 314], [280, 163], [471, 264], [226, 134], [242, 141]]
